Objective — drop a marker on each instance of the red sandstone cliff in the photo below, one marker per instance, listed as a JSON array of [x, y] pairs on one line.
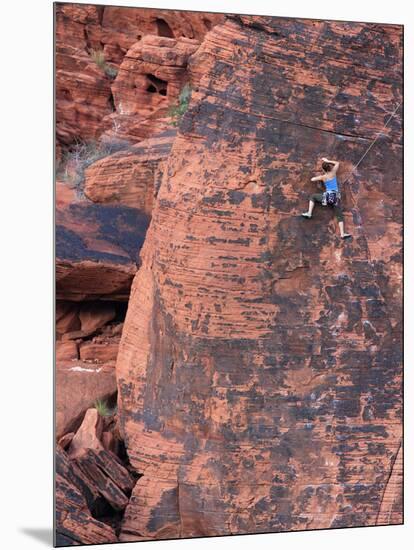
[[259, 374], [130, 178], [118, 72], [259, 371], [95, 47]]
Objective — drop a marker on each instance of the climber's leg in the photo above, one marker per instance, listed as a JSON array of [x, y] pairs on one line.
[[340, 218], [316, 197]]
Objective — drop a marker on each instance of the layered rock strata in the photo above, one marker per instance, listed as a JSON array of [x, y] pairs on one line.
[[91, 44], [130, 178], [149, 81], [93, 484], [97, 247], [259, 371]]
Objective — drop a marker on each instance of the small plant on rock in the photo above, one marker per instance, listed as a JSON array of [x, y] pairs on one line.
[[102, 408], [111, 71], [176, 111], [82, 154], [98, 56]]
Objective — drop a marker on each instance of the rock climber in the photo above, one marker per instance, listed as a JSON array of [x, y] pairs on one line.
[[331, 196]]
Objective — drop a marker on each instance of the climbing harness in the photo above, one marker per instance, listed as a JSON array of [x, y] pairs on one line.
[[331, 198]]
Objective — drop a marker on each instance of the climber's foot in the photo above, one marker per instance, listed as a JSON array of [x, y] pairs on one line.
[[346, 236], [306, 215]]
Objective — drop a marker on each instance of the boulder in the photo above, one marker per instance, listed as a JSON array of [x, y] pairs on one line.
[[89, 487], [78, 386], [101, 469], [131, 178], [89, 280], [88, 436], [75, 498], [97, 249], [107, 474]]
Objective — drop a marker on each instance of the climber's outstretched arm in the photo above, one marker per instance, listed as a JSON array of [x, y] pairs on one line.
[[318, 178], [335, 164]]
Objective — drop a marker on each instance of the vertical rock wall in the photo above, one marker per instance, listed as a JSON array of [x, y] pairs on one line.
[[259, 371]]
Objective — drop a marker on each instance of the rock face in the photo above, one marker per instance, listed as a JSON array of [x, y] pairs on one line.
[[132, 178], [96, 260], [390, 511], [259, 371], [149, 80], [89, 434], [78, 386], [118, 71], [83, 90], [91, 43], [97, 247], [87, 340], [78, 500]]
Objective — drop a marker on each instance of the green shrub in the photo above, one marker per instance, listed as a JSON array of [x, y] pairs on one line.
[[102, 408], [98, 56], [176, 111]]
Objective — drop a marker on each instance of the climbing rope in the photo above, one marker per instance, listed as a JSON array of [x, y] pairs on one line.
[[356, 166], [373, 142]]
